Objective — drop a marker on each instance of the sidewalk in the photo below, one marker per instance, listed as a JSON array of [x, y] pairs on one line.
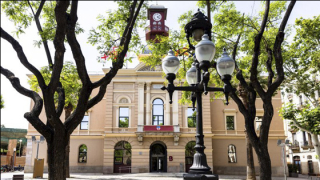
[[142, 176]]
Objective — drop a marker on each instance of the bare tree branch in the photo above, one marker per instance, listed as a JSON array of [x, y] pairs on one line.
[[44, 41], [61, 99], [277, 50], [75, 46], [256, 53], [269, 66], [240, 104], [22, 57], [33, 115], [60, 11]]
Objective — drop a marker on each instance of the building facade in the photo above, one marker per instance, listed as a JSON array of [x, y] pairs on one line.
[[135, 129], [300, 152]]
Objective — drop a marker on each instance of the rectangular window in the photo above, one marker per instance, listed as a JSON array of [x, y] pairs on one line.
[[124, 117], [191, 117], [230, 122], [84, 123]]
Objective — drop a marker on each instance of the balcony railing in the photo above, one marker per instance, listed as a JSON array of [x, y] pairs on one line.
[[158, 128]]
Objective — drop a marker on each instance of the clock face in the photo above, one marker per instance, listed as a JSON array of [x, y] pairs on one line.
[[157, 16]]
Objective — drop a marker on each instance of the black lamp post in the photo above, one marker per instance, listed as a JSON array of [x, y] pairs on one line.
[[198, 81]]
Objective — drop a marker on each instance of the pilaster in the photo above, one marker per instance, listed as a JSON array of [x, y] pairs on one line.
[[148, 104], [141, 103]]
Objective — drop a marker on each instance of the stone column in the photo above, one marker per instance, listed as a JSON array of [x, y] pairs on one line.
[[167, 110], [141, 103], [175, 108], [148, 105]]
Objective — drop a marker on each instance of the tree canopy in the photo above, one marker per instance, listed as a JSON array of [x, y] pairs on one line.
[[69, 79]]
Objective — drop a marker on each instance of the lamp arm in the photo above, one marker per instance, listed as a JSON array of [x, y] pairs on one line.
[[227, 89], [190, 45], [215, 89]]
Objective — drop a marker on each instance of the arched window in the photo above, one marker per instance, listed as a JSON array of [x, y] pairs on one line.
[[189, 154], [82, 153], [157, 112], [232, 156], [122, 157]]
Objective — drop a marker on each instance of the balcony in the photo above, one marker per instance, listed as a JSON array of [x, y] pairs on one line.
[[295, 147], [158, 131], [306, 146]]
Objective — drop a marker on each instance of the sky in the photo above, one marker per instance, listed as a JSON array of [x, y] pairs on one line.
[[16, 104]]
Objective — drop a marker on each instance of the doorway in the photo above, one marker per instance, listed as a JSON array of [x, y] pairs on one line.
[[296, 161], [310, 167], [158, 157]]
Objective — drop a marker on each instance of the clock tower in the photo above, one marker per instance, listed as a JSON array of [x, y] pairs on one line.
[[157, 15]]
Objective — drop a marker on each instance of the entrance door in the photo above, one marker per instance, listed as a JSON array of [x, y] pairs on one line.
[[158, 158], [296, 161], [310, 167], [157, 164]]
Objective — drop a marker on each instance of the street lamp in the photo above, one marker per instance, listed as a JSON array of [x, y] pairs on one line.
[[198, 84], [198, 77], [20, 148], [198, 26]]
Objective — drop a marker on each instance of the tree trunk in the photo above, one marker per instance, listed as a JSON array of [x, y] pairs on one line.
[[251, 172], [68, 109], [316, 144], [264, 162], [67, 159], [56, 157]]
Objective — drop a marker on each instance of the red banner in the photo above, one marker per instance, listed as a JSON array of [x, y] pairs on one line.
[[158, 128]]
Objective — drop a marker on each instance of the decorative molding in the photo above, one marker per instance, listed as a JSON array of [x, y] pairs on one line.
[[140, 139], [161, 96], [230, 111], [120, 135], [141, 84], [176, 139], [118, 96]]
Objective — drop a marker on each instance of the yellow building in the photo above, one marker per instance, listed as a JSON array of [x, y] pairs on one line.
[[135, 129]]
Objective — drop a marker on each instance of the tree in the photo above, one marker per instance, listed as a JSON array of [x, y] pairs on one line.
[[72, 85], [302, 78], [64, 25], [257, 50], [305, 119], [2, 103]]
